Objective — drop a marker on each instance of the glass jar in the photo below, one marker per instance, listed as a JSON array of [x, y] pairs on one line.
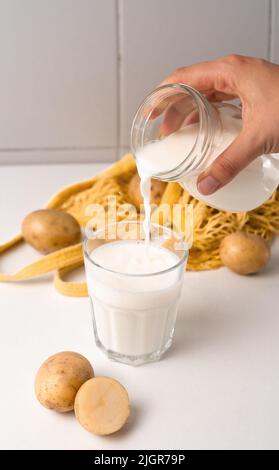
[[176, 134]]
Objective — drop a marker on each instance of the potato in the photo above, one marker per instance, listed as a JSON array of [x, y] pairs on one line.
[[48, 230], [102, 405], [244, 253], [157, 190], [59, 378]]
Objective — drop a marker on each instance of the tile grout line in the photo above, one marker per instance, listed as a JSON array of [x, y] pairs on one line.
[[118, 77], [117, 29], [54, 149], [55, 163], [270, 19]]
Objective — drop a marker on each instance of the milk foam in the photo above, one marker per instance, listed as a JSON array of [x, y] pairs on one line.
[[128, 257]]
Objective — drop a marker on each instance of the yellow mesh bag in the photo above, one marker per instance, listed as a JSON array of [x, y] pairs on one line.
[[74, 199], [209, 225]]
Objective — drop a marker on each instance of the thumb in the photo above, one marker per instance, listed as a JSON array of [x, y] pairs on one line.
[[242, 151]]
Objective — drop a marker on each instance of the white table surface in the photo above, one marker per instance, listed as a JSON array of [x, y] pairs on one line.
[[218, 387]]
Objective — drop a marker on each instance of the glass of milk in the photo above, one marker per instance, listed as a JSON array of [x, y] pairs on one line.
[[177, 133], [134, 289]]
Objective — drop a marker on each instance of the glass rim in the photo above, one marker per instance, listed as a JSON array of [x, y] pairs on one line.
[[156, 273]]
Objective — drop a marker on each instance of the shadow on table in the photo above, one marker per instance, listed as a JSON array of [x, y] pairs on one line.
[[216, 317], [199, 331], [273, 266]]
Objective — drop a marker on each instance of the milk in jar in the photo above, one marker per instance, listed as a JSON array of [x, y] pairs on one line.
[[202, 131]]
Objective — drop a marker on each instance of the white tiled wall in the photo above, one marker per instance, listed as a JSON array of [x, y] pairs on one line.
[[72, 72], [58, 79], [162, 35], [275, 31]]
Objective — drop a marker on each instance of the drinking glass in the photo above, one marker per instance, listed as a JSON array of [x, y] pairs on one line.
[[134, 315]]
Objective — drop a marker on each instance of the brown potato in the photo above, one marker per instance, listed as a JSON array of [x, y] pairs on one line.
[[244, 253], [48, 230], [59, 378], [157, 190], [102, 405]]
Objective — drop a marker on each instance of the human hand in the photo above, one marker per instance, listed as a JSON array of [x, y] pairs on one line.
[[256, 83]]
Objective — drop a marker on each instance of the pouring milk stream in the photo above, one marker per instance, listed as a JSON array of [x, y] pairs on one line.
[[135, 285]]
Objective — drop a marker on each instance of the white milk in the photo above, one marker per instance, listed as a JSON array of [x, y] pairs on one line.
[[133, 315], [145, 188], [248, 190]]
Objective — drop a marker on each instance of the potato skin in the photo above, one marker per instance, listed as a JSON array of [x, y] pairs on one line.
[[48, 230], [244, 253], [59, 379], [157, 190]]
